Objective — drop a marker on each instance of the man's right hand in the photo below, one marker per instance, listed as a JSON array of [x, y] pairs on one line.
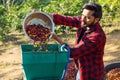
[[54, 36]]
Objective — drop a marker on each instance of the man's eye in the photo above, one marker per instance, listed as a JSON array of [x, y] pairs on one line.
[[88, 17]]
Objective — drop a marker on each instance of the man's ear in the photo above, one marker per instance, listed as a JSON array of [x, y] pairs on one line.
[[96, 20]]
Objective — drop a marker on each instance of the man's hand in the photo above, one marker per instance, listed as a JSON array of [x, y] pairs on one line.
[[54, 36], [34, 10], [51, 16]]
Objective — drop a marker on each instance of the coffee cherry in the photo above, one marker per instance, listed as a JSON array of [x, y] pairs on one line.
[[37, 32], [113, 74]]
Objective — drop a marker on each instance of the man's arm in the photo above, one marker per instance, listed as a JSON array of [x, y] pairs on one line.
[[54, 36], [86, 46], [66, 20]]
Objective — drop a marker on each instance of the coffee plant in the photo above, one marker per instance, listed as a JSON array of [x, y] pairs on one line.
[[12, 12]]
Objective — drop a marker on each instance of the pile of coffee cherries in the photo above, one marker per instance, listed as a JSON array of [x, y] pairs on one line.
[[113, 74], [37, 32], [71, 71]]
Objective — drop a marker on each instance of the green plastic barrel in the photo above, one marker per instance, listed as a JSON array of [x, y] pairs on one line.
[[41, 64]]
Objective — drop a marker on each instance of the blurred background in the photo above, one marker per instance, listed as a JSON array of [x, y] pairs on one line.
[[12, 13]]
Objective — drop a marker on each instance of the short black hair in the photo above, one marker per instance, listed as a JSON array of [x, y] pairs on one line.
[[94, 7]]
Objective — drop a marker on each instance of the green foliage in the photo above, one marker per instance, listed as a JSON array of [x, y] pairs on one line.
[[3, 21], [12, 12], [65, 7], [111, 10]]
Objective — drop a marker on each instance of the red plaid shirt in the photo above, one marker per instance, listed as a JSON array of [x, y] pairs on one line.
[[89, 50]]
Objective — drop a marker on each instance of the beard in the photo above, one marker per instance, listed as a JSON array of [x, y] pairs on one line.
[[84, 24]]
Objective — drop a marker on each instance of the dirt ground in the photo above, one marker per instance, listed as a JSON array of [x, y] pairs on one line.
[[10, 59]]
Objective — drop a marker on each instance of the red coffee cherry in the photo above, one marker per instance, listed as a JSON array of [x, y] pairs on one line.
[[37, 32]]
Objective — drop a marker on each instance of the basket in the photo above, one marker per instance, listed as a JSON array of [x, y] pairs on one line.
[[42, 65], [109, 67], [112, 66], [38, 18]]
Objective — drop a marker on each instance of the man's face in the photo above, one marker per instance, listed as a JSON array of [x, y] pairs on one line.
[[87, 18]]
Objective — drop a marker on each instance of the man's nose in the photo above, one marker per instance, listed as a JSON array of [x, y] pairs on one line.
[[83, 18]]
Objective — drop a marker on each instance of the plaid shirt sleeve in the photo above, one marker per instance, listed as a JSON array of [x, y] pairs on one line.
[[66, 20], [86, 45]]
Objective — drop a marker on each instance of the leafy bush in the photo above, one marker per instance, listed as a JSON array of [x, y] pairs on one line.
[[12, 12]]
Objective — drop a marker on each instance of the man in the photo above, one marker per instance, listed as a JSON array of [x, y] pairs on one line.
[[88, 50]]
